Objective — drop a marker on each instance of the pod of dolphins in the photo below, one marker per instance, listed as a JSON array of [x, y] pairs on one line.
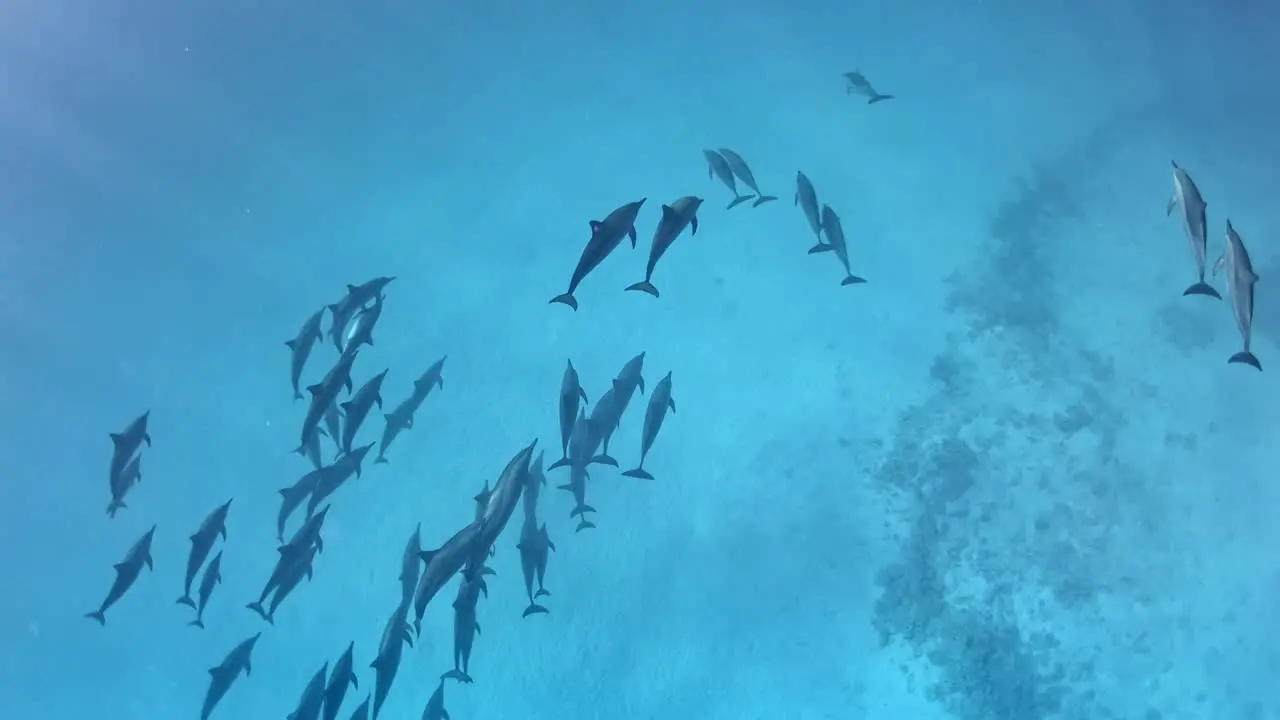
[[336, 410]]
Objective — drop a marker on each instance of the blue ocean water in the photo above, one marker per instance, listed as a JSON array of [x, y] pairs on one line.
[[1011, 477]]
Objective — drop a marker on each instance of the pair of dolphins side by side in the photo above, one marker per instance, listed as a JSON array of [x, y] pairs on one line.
[[1241, 277], [730, 168]]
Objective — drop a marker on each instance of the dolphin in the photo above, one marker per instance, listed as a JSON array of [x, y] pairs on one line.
[[659, 402], [535, 547], [125, 444], [675, 218], [224, 675], [534, 481], [213, 526], [360, 330], [127, 572], [401, 419], [292, 497], [1240, 281], [435, 704], [465, 627], [1187, 196], [357, 408], [836, 243], [606, 236], [345, 309], [362, 711], [390, 651], [608, 412], [212, 578], [298, 567], [339, 473], [121, 484], [342, 680], [300, 349], [807, 200], [441, 565], [410, 567], [743, 172], [506, 495], [572, 396], [312, 700], [856, 82], [718, 167], [324, 395]]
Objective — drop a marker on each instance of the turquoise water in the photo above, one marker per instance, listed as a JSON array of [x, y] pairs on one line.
[[1011, 477]]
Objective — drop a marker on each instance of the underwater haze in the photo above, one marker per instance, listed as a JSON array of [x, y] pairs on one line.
[[1011, 476]]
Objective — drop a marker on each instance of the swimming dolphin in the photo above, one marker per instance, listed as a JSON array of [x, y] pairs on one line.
[[675, 218], [357, 408], [606, 236], [212, 578], [224, 675], [465, 627], [121, 484], [807, 200], [298, 567], [410, 567], [435, 705], [836, 243], [441, 565], [324, 395], [572, 396], [856, 82], [213, 527], [401, 419], [362, 711], [341, 680], [360, 330], [300, 349], [743, 172], [1240, 281], [659, 402], [1194, 223], [127, 572], [535, 547], [395, 636], [336, 476], [718, 167], [125, 444], [312, 700]]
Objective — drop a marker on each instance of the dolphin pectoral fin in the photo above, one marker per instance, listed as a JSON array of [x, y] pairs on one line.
[[1219, 264], [1247, 358], [738, 200], [693, 224], [852, 280], [671, 403], [632, 234], [566, 299], [644, 286], [1168, 208], [1202, 288], [762, 200]]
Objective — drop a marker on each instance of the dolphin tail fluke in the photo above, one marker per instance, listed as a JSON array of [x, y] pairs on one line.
[[739, 200], [297, 396], [196, 623], [1247, 358], [186, 600], [565, 299], [115, 507], [542, 592], [644, 286], [457, 675], [98, 615], [877, 98], [1202, 288], [604, 459], [640, 473], [821, 247], [853, 280], [562, 462], [380, 460], [584, 525], [534, 609], [257, 607], [581, 510], [763, 199]]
